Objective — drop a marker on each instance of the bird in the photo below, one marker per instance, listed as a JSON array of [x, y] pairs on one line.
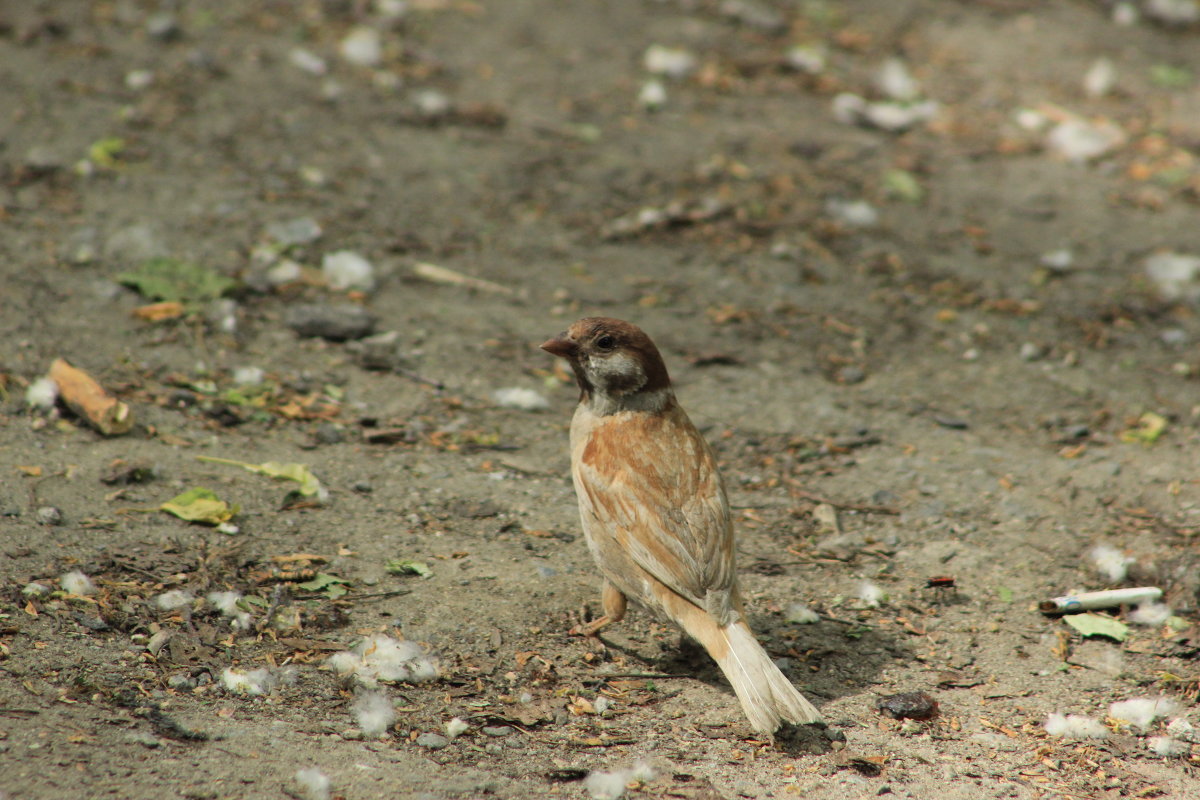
[[655, 514]]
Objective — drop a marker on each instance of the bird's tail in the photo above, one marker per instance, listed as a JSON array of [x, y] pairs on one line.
[[767, 696]]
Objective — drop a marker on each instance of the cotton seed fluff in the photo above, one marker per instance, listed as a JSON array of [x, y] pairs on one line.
[[314, 784], [41, 394], [1110, 562], [520, 398], [175, 598], [75, 582], [227, 604], [1140, 712], [871, 595], [801, 614], [382, 658], [1150, 613], [612, 785], [1074, 726], [374, 713], [255, 682], [1166, 747]]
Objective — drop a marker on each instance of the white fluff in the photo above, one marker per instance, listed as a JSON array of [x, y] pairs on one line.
[[1180, 728], [673, 62], [248, 376], [75, 582], [42, 394], [255, 682], [362, 47], [456, 727], [1110, 562], [895, 81], [344, 663], [382, 658], [601, 704], [227, 604], [1074, 726], [175, 598], [1167, 747], [374, 713], [612, 785], [34, 589], [1100, 78], [870, 595], [519, 398], [1150, 613], [652, 95], [346, 269], [314, 784], [1140, 712], [805, 58], [801, 614]]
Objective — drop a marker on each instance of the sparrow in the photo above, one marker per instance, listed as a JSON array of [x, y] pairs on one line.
[[655, 513]]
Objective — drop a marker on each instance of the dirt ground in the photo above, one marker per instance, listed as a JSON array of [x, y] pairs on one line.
[[940, 331]]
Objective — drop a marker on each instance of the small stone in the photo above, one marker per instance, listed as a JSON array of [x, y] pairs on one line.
[[850, 374], [1031, 352], [182, 682], [330, 433], [908, 705], [363, 487], [292, 232], [852, 213], [1176, 275], [248, 376], [433, 741], [307, 61], [954, 423], [139, 79], [431, 103], [337, 323], [806, 58], [164, 27], [379, 352], [546, 572], [49, 515], [1174, 337], [496, 730]]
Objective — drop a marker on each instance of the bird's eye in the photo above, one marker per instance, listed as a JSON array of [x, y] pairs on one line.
[[606, 342]]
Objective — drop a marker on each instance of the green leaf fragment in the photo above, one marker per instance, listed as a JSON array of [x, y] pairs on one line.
[[331, 585], [1005, 594], [175, 280], [407, 566], [104, 152], [903, 185], [310, 486], [200, 505], [1098, 625]]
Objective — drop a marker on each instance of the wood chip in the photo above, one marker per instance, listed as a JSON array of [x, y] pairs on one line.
[[87, 398]]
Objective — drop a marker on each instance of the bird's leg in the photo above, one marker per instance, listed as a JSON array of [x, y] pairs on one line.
[[613, 601]]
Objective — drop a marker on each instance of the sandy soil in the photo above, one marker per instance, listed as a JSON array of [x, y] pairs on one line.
[[970, 369]]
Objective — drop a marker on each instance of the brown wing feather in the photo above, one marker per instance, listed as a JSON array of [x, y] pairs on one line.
[[649, 485]]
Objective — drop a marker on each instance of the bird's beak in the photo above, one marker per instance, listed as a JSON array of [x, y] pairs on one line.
[[560, 346]]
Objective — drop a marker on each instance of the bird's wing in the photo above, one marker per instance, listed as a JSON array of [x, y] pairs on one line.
[[648, 484]]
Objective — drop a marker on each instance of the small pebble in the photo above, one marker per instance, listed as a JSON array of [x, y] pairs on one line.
[[433, 741], [1031, 352], [908, 705], [337, 323], [329, 433], [301, 230], [307, 61], [49, 515], [496, 730], [383, 351], [164, 27], [363, 487], [851, 374]]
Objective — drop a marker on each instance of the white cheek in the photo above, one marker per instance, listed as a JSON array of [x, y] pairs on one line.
[[618, 368]]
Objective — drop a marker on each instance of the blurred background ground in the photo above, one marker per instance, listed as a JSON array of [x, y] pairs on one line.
[[925, 273]]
